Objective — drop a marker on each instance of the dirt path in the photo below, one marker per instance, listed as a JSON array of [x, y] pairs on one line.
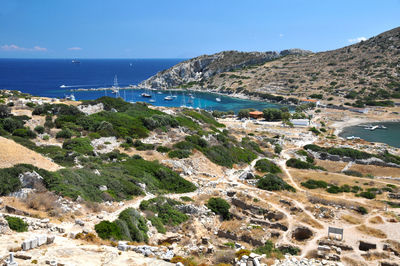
[[12, 153]]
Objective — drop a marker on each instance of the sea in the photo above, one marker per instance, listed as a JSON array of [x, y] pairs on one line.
[[390, 135], [58, 77]]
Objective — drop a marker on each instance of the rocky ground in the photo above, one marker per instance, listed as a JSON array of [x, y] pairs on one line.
[[297, 220]]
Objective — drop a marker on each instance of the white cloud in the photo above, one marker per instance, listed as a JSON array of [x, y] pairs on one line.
[[358, 39], [281, 35], [75, 48], [13, 47]]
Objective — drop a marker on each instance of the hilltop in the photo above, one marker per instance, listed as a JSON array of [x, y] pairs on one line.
[[365, 73]]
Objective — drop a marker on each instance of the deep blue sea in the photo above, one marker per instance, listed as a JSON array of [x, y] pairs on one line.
[[43, 77]]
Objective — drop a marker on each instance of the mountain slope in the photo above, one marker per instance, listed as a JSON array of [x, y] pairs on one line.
[[206, 66], [366, 71]]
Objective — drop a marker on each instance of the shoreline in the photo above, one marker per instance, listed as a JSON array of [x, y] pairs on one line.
[[340, 126]]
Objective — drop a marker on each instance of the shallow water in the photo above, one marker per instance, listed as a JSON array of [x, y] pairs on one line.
[[390, 136]]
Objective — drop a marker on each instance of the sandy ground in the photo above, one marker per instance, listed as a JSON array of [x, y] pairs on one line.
[[12, 153]]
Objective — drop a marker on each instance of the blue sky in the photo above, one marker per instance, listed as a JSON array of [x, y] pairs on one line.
[[185, 28]]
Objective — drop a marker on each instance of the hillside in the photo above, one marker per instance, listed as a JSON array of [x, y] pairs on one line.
[[366, 71], [206, 66]]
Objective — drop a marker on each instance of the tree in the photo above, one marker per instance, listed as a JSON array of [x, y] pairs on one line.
[[243, 113], [219, 206], [4, 111]]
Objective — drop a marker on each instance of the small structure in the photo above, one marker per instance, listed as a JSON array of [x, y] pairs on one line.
[[300, 122], [317, 103], [256, 114], [10, 261], [336, 231]]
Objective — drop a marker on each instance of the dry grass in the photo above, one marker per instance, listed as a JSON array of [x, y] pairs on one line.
[[231, 225], [353, 262], [371, 231], [376, 220], [375, 255], [376, 170], [331, 166], [351, 219], [45, 201], [305, 218], [12, 153]]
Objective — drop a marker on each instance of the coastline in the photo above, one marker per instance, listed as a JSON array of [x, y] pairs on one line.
[[341, 125]]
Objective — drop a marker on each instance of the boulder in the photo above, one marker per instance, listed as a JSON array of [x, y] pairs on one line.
[[365, 246]]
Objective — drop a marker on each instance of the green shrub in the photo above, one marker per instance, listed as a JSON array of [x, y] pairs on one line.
[[10, 124], [362, 210], [39, 129], [184, 145], [163, 149], [180, 154], [219, 206], [265, 165], [80, 145], [157, 223], [313, 184], [64, 133], [186, 198], [140, 146], [16, 224], [24, 133], [108, 230], [367, 195], [352, 173], [272, 182], [166, 210], [130, 226], [277, 148], [299, 164]]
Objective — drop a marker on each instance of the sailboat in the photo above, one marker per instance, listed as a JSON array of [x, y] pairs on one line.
[[115, 87], [218, 99], [169, 97]]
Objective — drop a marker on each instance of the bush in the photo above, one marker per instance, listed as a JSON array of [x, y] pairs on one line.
[[296, 163], [265, 165], [140, 146], [16, 224], [163, 149], [157, 223], [313, 184], [5, 111], [352, 173], [277, 149], [272, 182], [367, 195], [165, 209], [80, 145], [108, 230], [243, 252], [10, 124], [362, 210], [64, 133], [130, 226], [219, 206], [180, 154], [39, 129], [24, 133]]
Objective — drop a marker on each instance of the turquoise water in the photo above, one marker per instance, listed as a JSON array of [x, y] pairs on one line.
[[203, 100], [390, 136]]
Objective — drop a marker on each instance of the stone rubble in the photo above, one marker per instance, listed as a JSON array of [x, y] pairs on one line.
[[163, 253], [292, 261], [37, 241]]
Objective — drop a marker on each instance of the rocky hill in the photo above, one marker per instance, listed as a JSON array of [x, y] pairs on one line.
[[367, 71], [207, 66]]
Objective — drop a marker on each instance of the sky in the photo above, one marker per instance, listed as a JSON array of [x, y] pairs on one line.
[[185, 28]]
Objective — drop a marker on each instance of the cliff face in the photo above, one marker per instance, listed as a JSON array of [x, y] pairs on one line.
[[207, 66]]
